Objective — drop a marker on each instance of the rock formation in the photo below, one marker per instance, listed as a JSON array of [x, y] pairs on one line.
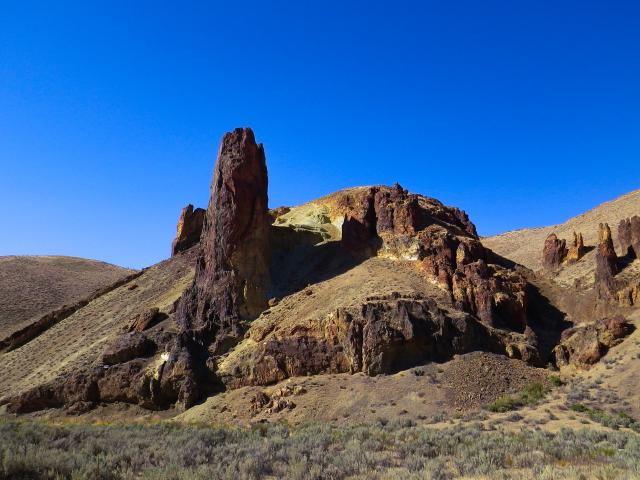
[[577, 249], [606, 263], [629, 236], [381, 336], [188, 230], [554, 252], [459, 296], [584, 345], [232, 274], [145, 319], [393, 223]]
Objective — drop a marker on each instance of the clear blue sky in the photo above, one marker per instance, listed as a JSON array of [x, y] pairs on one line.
[[522, 113]]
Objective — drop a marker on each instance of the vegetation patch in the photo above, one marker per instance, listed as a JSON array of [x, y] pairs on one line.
[[613, 420], [530, 395], [163, 451]]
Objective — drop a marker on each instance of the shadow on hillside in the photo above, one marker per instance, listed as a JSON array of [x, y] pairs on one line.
[[300, 258], [546, 320]]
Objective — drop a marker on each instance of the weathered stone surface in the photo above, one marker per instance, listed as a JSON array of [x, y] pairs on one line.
[[145, 319], [188, 230], [384, 335], [394, 223], [584, 345], [606, 263], [629, 236], [577, 249], [232, 274], [554, 252], [67, 391], [127, 347]]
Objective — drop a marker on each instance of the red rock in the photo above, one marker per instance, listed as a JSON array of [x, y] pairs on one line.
[[145, 320], [188, 230], [629, 236], [554, 252], [577, 250], [232, 274], [606, 263]]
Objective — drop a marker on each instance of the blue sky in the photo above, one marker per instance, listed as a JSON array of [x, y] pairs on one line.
[[522, 113]]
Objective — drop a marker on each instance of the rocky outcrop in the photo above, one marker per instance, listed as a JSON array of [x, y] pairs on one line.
[[145, 319], [606, 263], [577, 249], [188, 230], [391, 222], [554, 252], [232, 273], [127, 347], [629, 236], [583, 346], [384, 335]]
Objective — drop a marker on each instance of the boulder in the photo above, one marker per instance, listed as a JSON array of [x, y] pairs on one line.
[[145, 319], [583, 346], [188, 230], [65, 391], [127, 347]]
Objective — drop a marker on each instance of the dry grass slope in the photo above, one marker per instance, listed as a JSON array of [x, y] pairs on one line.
[[33, 286], [525, 246], [78, 341]]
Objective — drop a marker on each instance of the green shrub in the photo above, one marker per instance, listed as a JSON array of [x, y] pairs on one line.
[[613, 420], [530, 395], [555, 380]]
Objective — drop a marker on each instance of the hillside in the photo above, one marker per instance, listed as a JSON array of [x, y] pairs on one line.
[[31, 286], [525, 246], [371, 305], [77, 342]]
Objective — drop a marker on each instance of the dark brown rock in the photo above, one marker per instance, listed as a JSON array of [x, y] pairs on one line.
[[232, 273], [66, 391], [393, 222], [145, 320], [127, 347], [554, 252], [629, 236], [606, 263], [188, 230], [583, 346], [384, 335]]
